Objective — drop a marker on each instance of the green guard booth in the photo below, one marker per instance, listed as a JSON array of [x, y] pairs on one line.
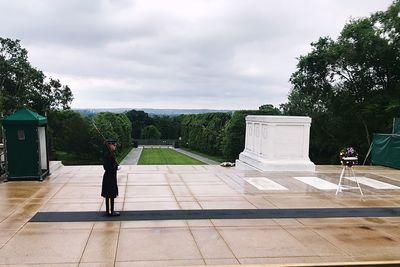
[[26, 145]]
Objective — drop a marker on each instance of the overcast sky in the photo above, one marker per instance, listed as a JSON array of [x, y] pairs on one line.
[[221, 54]]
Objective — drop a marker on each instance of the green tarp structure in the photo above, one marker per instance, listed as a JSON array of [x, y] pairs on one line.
[[386, 150]]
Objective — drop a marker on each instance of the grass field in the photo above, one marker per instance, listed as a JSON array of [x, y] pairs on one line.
[[215, 158], [165, 156]]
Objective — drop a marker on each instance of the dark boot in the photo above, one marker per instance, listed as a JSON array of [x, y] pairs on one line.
[[106, 199], [113, 213]]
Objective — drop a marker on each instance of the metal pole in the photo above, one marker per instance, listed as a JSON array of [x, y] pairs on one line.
[[394, 120], [97, 129], [369, 151], [1, 128]]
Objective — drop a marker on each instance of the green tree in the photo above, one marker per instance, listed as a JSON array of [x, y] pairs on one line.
[[169, 126], [69, 132], [150, 132], [110, 125], [23, 85], [124, 130], [350, 86], [139, 119], [76, 139], [204, 132], [234, 136], [270, 109]]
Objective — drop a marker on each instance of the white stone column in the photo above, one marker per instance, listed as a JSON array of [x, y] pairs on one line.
[[277, 143]]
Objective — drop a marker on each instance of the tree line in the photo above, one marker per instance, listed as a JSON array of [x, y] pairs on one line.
[[218, 134], [74, 138]]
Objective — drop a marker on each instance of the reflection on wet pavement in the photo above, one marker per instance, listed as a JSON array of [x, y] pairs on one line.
[[197, 242]]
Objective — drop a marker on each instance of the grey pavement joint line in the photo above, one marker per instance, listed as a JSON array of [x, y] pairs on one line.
[[86, 243], [120, 223], [116, 249], [188, 226], [286, 229], [91, 229], [190, 191], [223, 239]]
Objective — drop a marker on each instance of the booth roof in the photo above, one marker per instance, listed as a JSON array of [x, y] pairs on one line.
[[25, 116]]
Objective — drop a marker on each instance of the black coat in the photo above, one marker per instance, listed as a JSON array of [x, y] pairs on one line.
[[109, 187]]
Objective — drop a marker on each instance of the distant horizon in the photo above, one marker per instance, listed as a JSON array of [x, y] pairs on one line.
[[151, 111], [155, 108]]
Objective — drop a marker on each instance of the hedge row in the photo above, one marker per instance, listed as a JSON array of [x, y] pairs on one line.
[[220, 134]]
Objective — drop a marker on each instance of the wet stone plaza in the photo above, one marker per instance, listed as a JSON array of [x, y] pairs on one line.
[[196, 242]]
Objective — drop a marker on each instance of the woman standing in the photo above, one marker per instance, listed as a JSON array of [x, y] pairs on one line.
[[109, 188]]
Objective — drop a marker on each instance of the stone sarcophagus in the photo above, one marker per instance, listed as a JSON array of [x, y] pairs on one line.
[[277, 143]]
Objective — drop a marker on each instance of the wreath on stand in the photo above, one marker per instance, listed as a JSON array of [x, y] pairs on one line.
[[348, 156]]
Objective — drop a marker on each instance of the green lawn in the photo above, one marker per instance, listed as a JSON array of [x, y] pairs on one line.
[[212, 157], [165, 156]]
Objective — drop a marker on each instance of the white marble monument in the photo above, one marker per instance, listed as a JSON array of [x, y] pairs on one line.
[[277, 143]]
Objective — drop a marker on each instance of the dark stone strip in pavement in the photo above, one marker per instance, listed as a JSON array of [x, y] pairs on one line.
[[141, 215]]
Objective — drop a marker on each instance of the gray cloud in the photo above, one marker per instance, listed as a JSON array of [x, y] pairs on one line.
[[177, 53]]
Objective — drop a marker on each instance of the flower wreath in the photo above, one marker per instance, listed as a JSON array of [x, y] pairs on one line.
[[345, 154]]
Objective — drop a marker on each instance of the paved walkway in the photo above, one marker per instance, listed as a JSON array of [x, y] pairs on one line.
[[198, 157], [133, 156], [197, 242]]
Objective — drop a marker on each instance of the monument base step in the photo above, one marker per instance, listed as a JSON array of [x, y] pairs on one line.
[[252, 161], [55, 165]]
